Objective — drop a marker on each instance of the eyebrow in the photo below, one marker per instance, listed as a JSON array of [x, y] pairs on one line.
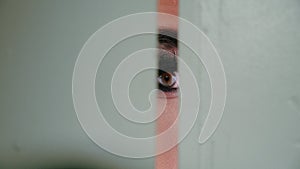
[[167, 37]]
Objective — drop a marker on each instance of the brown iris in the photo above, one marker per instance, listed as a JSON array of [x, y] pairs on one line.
[[166, 79]]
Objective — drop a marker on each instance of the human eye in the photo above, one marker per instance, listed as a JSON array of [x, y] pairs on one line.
[[167, 82], [167, 76]]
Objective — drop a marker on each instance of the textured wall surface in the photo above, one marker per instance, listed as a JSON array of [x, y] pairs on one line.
[[39, 44], [258, 42]]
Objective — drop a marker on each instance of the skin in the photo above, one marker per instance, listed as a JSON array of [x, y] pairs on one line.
[[169, 159]]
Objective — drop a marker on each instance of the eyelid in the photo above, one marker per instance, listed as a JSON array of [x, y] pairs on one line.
[[167, 61]]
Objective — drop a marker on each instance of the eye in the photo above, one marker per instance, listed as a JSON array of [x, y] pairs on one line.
[[167, 79], [168, 82]]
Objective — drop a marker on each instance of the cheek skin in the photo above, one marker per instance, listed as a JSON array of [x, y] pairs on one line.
[[169, 159]]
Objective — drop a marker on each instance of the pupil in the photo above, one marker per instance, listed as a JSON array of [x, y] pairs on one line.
[[166, 78]]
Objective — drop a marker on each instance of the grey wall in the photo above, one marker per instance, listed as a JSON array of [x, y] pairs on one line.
[[259, 45], [39, 44]]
